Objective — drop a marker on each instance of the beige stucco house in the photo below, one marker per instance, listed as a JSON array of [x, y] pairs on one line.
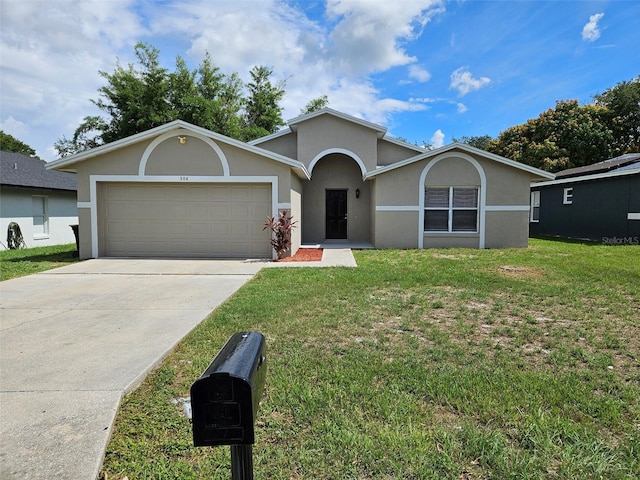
[[181, 190]]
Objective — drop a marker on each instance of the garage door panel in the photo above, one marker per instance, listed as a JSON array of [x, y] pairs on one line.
[[220, 210], [200, 229], [195, 220]]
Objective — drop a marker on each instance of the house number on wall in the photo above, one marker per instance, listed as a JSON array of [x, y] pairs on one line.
[[184, 179]]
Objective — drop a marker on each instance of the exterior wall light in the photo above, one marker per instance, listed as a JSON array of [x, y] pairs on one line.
[[357, 193], [182, 139]]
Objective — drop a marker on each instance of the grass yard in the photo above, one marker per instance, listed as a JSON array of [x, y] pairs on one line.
[[18, 263], [431, 364]]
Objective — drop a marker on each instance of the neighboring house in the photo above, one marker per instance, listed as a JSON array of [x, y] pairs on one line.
[[42, 202], [181, 190], [599, 202]]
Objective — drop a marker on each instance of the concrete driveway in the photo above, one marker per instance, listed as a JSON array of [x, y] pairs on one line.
[[74, 340]]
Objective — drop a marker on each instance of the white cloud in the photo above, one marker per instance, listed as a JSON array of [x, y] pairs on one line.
[[368, 35], [13, 127], [461, 107], [464, 82], [591, 31], [52, 52], [437, 139], [419, 74]]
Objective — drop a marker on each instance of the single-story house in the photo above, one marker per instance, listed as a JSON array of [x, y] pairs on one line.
[[42, 202], [599, 202], [181, 190]]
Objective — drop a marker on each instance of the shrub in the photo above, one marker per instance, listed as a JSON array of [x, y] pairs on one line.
[[281, 232]]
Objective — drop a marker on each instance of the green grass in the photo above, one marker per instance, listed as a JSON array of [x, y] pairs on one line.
[[18, 263], [432, 364]]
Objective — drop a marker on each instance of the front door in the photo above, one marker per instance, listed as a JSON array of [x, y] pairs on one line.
[[336, 224]]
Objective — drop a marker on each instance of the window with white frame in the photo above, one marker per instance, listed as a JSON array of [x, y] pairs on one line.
[[567, 196], [535, 207], [40, 216], [451, 209]]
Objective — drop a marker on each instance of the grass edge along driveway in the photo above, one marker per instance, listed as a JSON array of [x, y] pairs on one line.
[[18, 263], [443, 364]]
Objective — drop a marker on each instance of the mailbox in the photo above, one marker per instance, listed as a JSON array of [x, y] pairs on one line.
[[225, 399]]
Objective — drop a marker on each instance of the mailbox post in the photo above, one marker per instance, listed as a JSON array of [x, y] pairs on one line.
[[225, 400]]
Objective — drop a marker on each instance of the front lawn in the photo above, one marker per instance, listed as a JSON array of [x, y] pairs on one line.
[[432, 364], [18, 263]]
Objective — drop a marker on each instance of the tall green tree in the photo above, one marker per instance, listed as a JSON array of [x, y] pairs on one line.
[[136, 100], [146, 95], [567, 136], [219, 100], [9, 143], [622, 115], [263, 113]]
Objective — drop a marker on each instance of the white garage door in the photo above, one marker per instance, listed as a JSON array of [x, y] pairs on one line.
[[184, 220]]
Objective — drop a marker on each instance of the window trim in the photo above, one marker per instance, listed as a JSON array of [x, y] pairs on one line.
[[450, 209], [535, 203], [44, 216]]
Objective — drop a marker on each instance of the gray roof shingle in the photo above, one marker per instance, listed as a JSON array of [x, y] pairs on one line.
[[22, 171], [616, 163]]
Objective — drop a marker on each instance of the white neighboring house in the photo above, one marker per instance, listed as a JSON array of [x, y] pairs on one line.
[[42, 202]]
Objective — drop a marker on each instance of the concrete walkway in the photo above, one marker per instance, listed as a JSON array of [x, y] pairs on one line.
[[74, 340]]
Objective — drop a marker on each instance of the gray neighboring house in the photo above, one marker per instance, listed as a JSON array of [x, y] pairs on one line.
[[599, 202], [179, 190], [42, 202]]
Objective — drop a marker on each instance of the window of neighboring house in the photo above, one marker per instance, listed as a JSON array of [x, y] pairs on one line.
[[40, 217], [451, 209], [567, 196], [535, 207]]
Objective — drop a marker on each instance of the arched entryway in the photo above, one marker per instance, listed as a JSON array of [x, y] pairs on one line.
[[336, 201]]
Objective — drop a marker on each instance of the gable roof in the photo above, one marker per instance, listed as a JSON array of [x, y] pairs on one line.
[[601, 167], [22, 171], [68, 163], [535, 172], [293, 123], [292, 126]]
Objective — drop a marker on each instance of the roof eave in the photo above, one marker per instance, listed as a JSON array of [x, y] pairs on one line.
[[273, 136], [586, 178], [402, 143], [66, 162], [536, 172]]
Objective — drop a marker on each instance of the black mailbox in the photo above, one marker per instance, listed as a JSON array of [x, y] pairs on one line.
[[225, 399]]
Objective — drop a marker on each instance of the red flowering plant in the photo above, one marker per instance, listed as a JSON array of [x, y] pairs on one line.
[[281, 232]]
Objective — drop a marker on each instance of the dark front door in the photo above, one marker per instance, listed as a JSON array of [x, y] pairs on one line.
[[336, 214]]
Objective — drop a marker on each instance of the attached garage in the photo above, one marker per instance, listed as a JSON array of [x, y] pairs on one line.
[[181, 191], [205, 220]]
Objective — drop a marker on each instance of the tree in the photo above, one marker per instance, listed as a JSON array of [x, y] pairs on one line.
[[315, 104], [82, 140], [135, 100], [565, 137], [622, 115], [481, 142], [263, 114], [8, 143], [146, 95]]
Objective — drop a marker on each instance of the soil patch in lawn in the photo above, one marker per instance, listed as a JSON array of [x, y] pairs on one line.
[[304, 255]]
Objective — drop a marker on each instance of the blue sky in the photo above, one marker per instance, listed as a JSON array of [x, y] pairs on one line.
[[428, 70]]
